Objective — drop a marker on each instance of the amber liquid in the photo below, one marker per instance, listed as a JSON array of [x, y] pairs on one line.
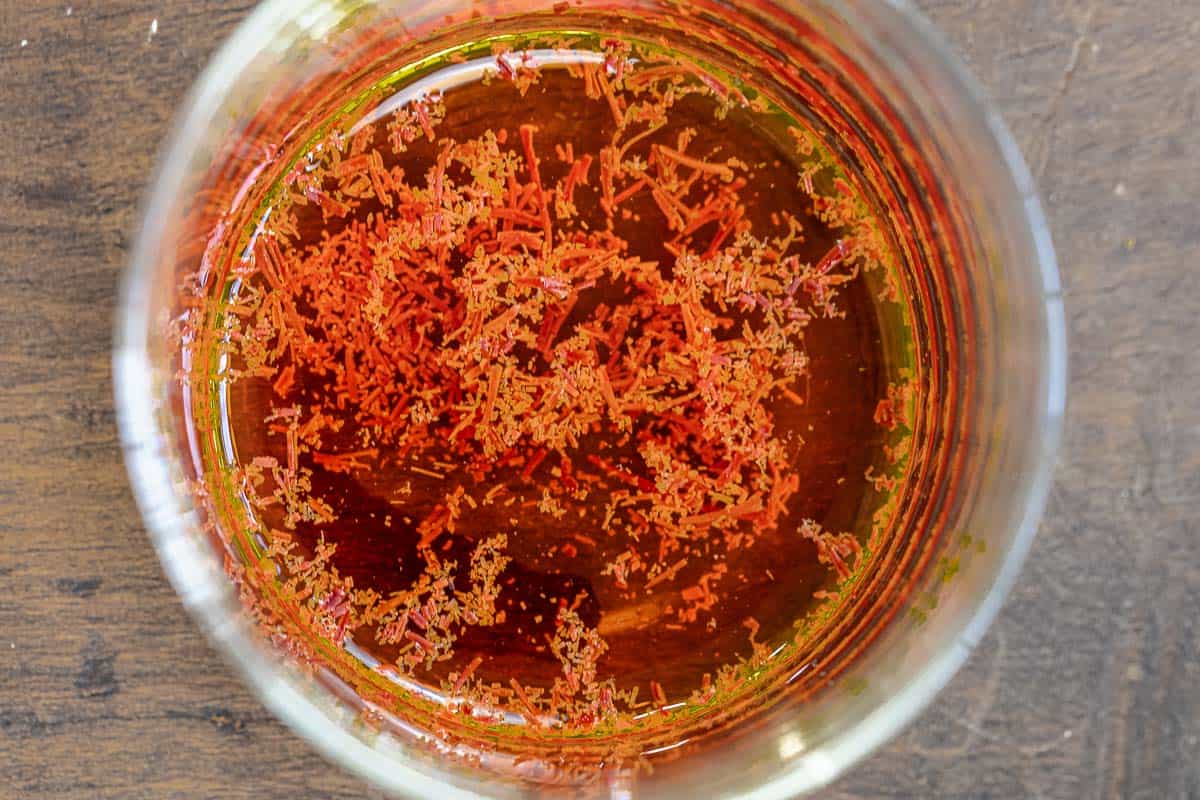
[[775, 581]]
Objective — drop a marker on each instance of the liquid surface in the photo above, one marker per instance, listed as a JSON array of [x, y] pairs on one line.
[[556, 387]]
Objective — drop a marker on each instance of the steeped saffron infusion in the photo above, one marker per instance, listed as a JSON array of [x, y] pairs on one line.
[[560, 398]]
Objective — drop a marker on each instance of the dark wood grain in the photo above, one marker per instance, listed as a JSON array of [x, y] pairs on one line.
[[1089, 684]]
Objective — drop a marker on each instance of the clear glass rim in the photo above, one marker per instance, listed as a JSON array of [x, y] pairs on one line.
[[167, 518]]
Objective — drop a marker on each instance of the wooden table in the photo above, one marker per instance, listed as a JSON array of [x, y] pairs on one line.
[[1088, 685]]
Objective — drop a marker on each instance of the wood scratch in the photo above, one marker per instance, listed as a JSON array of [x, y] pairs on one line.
[[1060, 93]]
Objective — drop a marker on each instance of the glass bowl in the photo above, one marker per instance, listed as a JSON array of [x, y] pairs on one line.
[[986, 310]]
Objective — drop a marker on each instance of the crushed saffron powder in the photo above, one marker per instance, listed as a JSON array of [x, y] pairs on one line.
[[562, 386]]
